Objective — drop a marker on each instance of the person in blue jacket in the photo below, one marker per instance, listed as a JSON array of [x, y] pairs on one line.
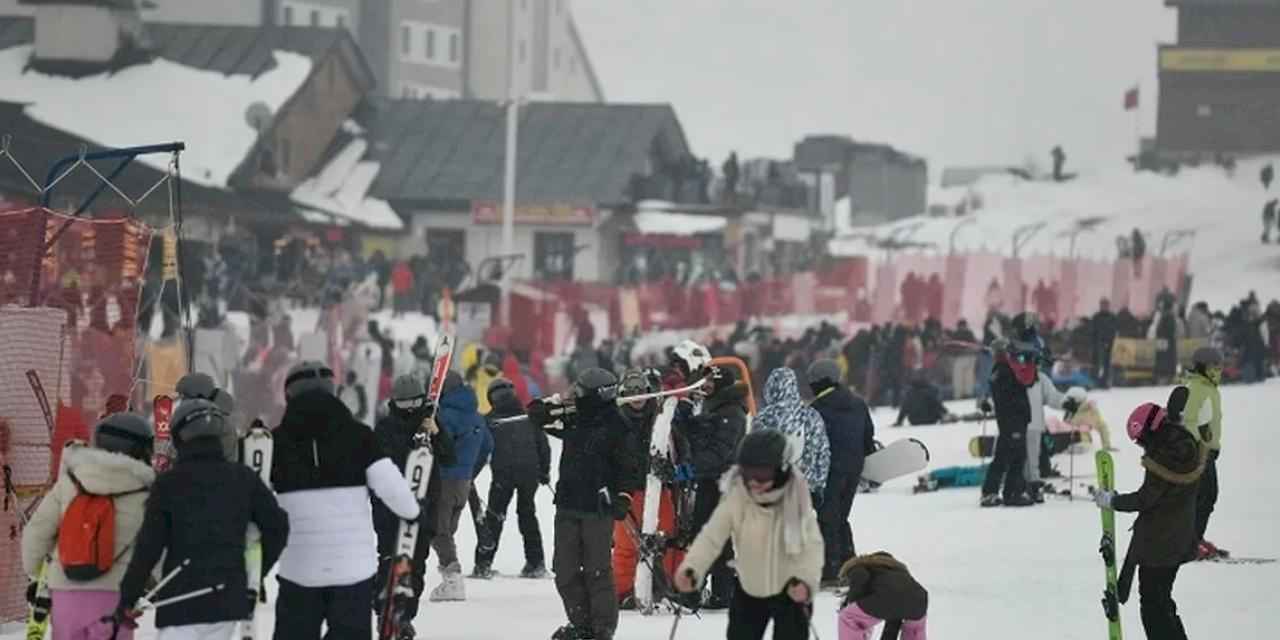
[[458, 414]]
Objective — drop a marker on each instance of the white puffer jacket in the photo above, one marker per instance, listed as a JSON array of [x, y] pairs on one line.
[[101, 472]]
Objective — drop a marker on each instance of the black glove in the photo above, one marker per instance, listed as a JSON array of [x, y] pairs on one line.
[[539, 412], [1070, 406], [32, 588], [545, 479], [621, 505], [985, 406]]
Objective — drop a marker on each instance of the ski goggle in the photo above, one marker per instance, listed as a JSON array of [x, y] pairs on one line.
[[1025, 357], [410, 403], [759, 475]]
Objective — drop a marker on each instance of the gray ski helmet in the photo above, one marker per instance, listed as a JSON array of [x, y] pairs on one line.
[[308, 375], [1207, 357], [123, 433], [635, 382], [197, 385], [763, 448], [197, 418], [596, 386], [824, 371], [407, 387], [498, 386]]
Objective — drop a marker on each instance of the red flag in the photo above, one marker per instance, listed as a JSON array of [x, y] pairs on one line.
[[1131, 99]]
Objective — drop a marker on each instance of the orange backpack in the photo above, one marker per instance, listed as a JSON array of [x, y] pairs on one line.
[[87, 534]]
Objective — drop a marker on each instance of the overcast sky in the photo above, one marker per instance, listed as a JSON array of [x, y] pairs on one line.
[[957, 81]]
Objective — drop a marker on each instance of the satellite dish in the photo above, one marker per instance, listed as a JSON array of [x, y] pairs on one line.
[[258, 116]]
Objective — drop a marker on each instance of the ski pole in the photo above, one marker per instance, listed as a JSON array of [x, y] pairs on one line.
[[181, 598], [168, 577], [620, 400]]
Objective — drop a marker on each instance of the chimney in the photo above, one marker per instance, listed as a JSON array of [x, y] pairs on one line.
[[85, 32]]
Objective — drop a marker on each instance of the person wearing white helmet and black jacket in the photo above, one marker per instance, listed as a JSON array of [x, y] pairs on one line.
[[198, 511], [325, 464]]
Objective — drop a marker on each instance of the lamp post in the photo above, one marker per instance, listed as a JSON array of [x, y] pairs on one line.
[[509, 172]]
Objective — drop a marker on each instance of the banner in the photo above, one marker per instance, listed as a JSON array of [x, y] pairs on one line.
[[483, 212], [1238, 60]]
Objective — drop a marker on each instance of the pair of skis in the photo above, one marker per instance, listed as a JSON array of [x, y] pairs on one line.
[[417, 471], [258, 447]]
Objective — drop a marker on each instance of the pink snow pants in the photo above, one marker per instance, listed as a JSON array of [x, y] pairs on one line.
[[77, 614], [856, 624]]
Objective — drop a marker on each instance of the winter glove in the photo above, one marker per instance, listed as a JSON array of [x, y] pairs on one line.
[[984, 405], [1103, 498], [539, 412], [545, 479], [122, 617], [32, 587], [620, 505], [1070, 406]]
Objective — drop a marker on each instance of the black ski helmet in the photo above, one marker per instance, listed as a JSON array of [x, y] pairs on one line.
[[764, 448], [824, 373], [126, 433], [196, 385], [1206, 357], [407, 394], [308, 376], [198, 418], [595, 387], [502, 393]]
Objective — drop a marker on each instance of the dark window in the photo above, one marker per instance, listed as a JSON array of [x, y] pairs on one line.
[[406, 40], [431, 44], [315, 17], [453, 47], [446, 248], [553, 255], [288, 16]]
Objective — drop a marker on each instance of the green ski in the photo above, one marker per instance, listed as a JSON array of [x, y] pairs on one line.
[[1110, 600]]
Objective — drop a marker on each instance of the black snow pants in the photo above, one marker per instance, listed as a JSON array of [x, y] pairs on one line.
[[583, 565], [1007, 465], [501, 490], [837, 535], [1159, 611], [721, 576], [748, 617], [1207, 498], [300, 611]]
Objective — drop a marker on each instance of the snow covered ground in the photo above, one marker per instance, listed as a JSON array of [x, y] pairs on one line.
[[993, 573]]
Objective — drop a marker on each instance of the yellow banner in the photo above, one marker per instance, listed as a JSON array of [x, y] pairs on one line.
[[1220, 60]]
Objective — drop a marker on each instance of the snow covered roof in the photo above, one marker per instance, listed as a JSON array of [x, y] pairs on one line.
[[342, 188]]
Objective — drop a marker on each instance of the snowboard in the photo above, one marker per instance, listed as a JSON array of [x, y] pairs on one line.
[[162, 411], [901, 458], [985, 446], [257, 448], [1110, 598], [661, 470], [417, 470]]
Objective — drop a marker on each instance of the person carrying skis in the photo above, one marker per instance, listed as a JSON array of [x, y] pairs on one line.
[[1203, 418], [787, 413], [594, 467], [713, 435], [638, 418], [881, 589], [1164, 534], [199, 511], [521, 462], [472, 442], [766, 511], [118, 467], [407, 411], [851, 436], [325, 464]]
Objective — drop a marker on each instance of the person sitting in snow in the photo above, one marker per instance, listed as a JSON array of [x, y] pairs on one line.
[[881, 589], [1088, 416]]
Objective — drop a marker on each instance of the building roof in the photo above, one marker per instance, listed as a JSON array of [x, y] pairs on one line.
[[446, 153]]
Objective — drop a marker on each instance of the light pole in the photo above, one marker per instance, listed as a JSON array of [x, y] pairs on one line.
[[509, 174]]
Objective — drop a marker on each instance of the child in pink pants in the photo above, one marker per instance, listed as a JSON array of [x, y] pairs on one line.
[[881, 590]]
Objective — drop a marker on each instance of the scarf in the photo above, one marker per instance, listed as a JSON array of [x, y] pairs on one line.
[[793, 498]]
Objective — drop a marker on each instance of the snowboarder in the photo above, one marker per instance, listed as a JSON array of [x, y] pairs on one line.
[[395, 433], [881, 589], [472, 442], [766, 511], [199, 511], [851, 437], [117, 466], [1087, 415], [1203, 418], [922, 404], [1164, 534], [713, 437], [590, 496], [786, 412], [325, 464], [521, 462], [638, 417]]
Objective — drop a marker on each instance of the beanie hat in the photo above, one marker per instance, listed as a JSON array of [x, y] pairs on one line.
[[824, 372], [307, 376], [764, 448]]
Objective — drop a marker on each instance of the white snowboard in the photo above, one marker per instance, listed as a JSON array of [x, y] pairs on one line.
[[659, 446], [904, 457]]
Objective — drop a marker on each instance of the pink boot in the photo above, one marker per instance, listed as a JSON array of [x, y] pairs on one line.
[[914, 629], [856, 624]]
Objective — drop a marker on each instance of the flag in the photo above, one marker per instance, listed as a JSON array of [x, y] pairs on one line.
[[1131, 99]]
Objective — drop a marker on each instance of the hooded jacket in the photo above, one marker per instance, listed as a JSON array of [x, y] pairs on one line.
[[1164, 534], [595, 460], [1012, 402], [1204, 409], [850, 430], [883, 587], [472, 439], [521, 452], [786, 412], [101, 472], [199, 511], [922, 404], [326, 462], [714, 434]]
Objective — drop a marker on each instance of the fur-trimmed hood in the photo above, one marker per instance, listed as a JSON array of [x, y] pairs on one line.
[[105, 472], [1179, 459], [877, 560]]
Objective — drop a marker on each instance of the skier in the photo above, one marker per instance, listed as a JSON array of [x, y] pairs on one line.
[[521, 463], [325, 464], [199, 511], [472, 441], [1203, 418], [713, 437], [594, 466], [786, 412], [880, 588], [407, 411], [851, 436], [1164, 534], [638, 418], [117, 466], [766, 511], [1087, 415], [1013, 374], [922, 404]]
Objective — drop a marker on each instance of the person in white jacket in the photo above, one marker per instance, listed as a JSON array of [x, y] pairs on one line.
[[1042, 393], [767, 511]]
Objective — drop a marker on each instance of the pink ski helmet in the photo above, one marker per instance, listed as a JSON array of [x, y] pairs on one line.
[[1148, 417]]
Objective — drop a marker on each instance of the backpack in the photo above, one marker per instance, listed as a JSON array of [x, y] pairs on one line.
[[87, 534]]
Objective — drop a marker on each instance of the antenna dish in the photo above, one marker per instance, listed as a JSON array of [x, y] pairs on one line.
[[258, 116]]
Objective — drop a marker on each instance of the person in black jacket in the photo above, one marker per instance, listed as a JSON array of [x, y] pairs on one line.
[[1104, 328], [395, 433], [521, 461], [922, 404], [589, 496], [1014, 372], [713, 436], [851, 434], [199, 512]]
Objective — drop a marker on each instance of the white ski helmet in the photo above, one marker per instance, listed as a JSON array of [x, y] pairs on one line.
[[1078, 394], [691, 356]]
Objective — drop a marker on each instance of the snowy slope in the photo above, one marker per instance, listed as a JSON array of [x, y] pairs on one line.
[[1227, 258], [1001, 574]]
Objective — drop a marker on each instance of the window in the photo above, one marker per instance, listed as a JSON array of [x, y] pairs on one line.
[[406, 40], [446, 248], [454, 42], [431, 44], [523, 52], [553, 255], [288, 16], [555, 58], [315, 17], [1204, 111]]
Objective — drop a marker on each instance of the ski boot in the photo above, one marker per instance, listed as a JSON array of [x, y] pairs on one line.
[[627, 602], [483, 572], [1020, 500], [534, 571], [1206, 550], [453, 588], [1035, 493], [990, 500], [573, 632], [924, 484], [407, 632]]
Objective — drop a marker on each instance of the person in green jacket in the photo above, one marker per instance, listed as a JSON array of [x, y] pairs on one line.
[[1203, 418]]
